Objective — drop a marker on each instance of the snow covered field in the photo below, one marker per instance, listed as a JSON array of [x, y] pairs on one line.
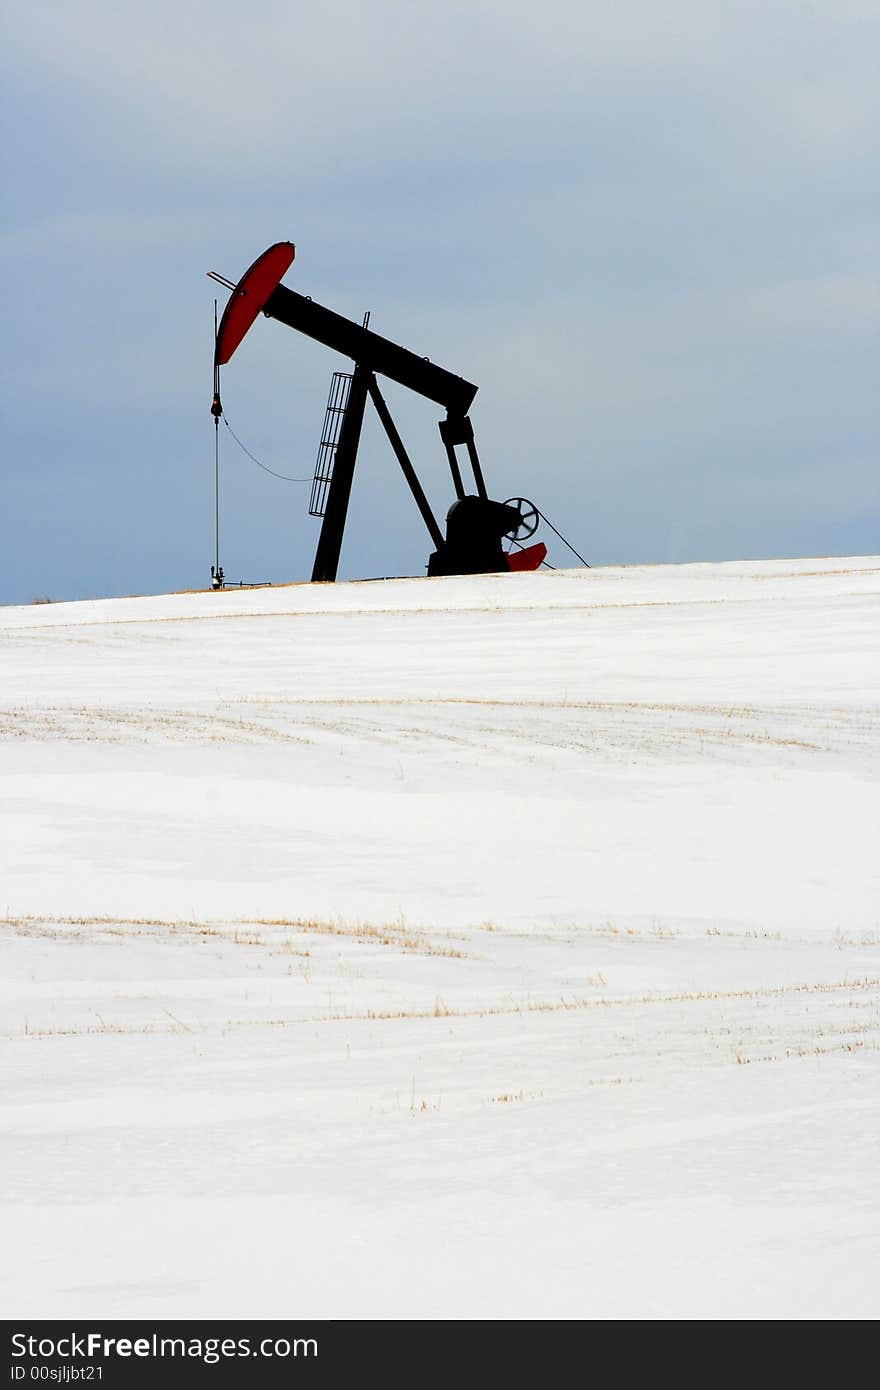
[[504, 946]]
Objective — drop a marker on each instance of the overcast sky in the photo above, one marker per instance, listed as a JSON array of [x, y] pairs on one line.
[[648, 232]]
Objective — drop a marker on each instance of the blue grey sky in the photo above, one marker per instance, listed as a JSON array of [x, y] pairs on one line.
[[648, 233]]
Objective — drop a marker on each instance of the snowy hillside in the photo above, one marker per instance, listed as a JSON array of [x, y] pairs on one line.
[[504, 946]]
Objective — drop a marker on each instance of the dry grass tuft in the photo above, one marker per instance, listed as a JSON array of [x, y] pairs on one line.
[[396, 935]]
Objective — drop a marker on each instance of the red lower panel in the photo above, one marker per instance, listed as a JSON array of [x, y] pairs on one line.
[[528, 559]]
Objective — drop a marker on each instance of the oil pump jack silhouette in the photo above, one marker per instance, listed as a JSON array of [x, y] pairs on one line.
[[475, 524]]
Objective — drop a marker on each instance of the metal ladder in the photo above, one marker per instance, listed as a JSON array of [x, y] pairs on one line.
[[337, 404]]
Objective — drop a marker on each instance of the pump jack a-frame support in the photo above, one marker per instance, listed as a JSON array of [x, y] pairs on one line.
[[473, 540]]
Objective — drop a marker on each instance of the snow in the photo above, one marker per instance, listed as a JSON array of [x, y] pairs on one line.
[[505, 946]]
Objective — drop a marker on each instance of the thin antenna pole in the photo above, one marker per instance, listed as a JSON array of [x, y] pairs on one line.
[[217, 496], [216, 471]]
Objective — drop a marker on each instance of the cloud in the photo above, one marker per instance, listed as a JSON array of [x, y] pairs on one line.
[[648, 232]]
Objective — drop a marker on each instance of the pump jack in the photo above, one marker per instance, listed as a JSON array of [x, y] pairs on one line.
[[475, 525]]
